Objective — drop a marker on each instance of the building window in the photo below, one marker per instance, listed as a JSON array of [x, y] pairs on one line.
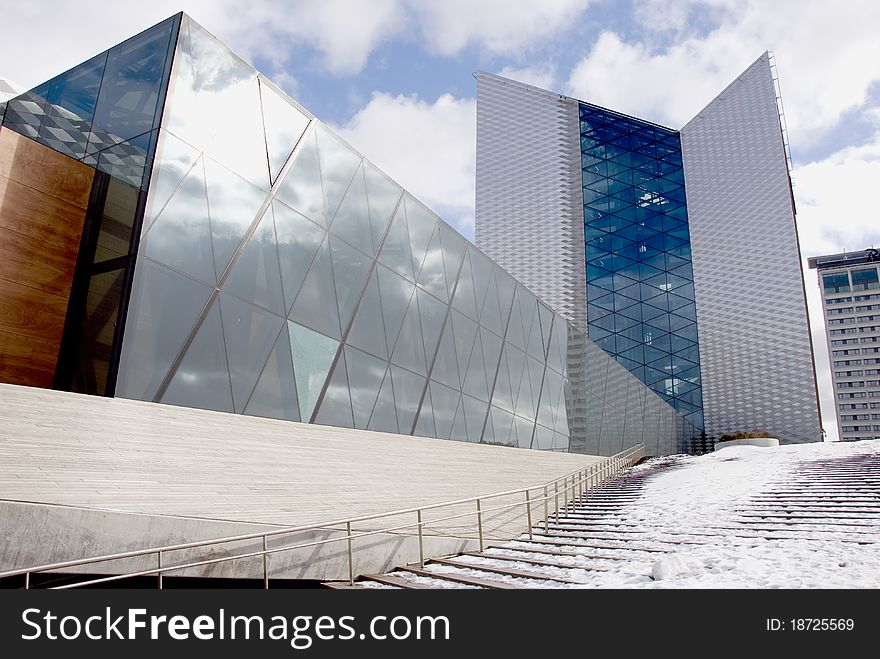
[[836, 283], [863, 280]]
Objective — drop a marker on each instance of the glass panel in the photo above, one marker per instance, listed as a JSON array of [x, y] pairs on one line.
[[202, 379], [120, 209], [490, 316], [275, 394], [502, 396], [233, 205], [368, 330], [284, 124], [491, 345], [475, 416], [465, 300], [313, 356], [383, 195], [421, 223], [181, 235], [445, 403], [71, 108], [301, 187], [315, 306], [174, 160], [384, 418], [459, 428], [350, 269], [352, 220], [432, 313], [126, 161], [335, 408], [250, 335], [409, 351], [25, 113], [162, 310], [433, 276], [543, 439], [98, 330], [298, 242], [465, 333], [395, 293], [396, 252], [445, 368], [516, 364], [425, 424], [407, 392], [502, 425], [454, 248], [524, 431], [365, 375], [256, 276], [131, 87], [481, 268], [475, 380], [338, 165]]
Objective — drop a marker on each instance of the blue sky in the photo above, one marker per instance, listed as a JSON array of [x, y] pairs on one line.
[[395, 78]]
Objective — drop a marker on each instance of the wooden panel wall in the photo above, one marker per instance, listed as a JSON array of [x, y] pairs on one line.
[[43, 200]]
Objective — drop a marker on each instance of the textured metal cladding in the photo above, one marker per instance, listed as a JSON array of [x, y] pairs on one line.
[[529, 215], [757, 359]]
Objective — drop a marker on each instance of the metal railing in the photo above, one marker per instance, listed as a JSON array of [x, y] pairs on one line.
[[568, 488]]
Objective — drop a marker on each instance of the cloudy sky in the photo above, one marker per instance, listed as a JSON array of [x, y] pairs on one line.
[[395, 78]]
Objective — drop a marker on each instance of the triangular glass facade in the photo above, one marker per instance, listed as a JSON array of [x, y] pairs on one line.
[[273, 271]]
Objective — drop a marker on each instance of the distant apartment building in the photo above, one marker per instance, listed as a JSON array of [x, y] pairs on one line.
[[851, 308]]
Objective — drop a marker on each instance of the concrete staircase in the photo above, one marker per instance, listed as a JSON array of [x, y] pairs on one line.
[[836, 498]]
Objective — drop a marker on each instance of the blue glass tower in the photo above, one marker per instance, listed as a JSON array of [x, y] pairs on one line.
[[640, 282]]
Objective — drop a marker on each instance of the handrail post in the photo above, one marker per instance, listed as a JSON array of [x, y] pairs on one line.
[[546, 511], [529, 513], [27, 580], [421, 545], [480, 523], [350, 559], [565, 495], [265, 564], [556, 504], [159, 565]]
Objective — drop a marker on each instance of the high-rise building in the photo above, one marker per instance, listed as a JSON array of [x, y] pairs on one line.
[[676, 251], [851, 307], [203, 240]]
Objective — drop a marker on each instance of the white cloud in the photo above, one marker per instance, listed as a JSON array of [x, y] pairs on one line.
[[429, 148], [499, 26], [543, 76], [826, 52]]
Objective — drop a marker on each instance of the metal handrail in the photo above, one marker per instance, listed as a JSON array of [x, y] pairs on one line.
[[572, 481]]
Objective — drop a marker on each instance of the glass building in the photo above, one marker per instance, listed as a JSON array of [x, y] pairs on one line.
[[675, 251], [238, 256]]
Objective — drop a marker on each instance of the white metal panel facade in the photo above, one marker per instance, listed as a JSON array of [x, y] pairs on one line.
[[755, 348]]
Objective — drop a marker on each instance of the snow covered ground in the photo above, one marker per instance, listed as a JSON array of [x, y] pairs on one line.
[[804, 516]]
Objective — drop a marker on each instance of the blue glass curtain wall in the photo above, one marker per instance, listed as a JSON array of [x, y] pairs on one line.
[[640, 286]]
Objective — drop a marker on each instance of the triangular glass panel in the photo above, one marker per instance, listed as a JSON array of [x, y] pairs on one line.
[[284, 124], [274, 396], [301, 188], [395, 293], [314, 307], [432, 313], [502, 395], [202, 378], [365, 376], [335, 408], [491, 346], [352, 220], [313, 355], [382, 195], [250, 335], [396, 252], [350, 268], [465, 332], [163, 309], [506, 287], [465, 300], [384, 416], [233, 205], [502, 425], [475, 380], [425, 424], [174, 161], [367, 332], [338, 165], [482, 268], [256, 275], [524, 431], [445, 404], [181, 235], [407, 394], [490, 314], [409, 350], [299, 240], [432, 277], [421, 223], [445, 368], [458, 432]]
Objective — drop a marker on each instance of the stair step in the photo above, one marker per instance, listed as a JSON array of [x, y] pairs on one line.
[[470, 581], [503, 571], [390, 580]]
